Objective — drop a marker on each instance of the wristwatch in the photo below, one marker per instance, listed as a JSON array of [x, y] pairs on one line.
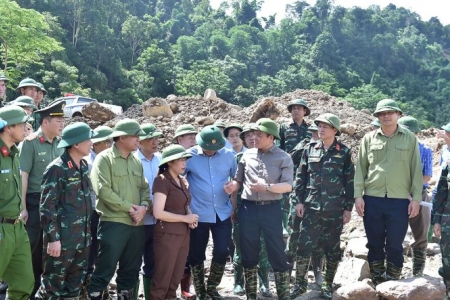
[[268, 187]]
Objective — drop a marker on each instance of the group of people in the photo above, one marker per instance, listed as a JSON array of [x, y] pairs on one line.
[[79, 205]]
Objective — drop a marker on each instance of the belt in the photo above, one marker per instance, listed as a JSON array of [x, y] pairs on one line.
[[262, 202], [9, 221]]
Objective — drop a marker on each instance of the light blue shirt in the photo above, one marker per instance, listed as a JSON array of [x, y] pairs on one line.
[[90, 160], [206, 176], [150, 172]]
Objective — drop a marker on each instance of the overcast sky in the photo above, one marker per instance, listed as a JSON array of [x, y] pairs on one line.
[[426, 9]]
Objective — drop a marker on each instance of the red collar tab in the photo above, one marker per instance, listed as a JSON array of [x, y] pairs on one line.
[[338, 147], [5, 151], [69, 163], [41, 139]]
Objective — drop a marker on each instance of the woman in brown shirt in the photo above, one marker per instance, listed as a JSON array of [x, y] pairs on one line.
[[171, 200]]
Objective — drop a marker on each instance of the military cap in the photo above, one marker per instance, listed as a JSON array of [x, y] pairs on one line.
[[150, 131], [220, 124], [183, 130], [268, 126], [103, 134], [27, 82], [234, 125], [248, 127], [75, 133], [3, 77], [375, 122], [42, 88], [299, 102], [173, 152], [24, 101], [410, 123], [446, 127], [55, 110], [386, 105], [313, 127], [330, 119], [3, 123], [13, 114], [210, 138], [127, 127]]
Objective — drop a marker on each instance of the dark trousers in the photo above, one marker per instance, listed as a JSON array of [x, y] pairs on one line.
[[171, 252], [386, 223], [149, 260], [34, 230], [63, 275], [254, 219], [221, 234], [122, 244], [93, 251]]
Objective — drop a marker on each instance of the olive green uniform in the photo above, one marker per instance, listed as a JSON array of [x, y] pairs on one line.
[[15, 254]]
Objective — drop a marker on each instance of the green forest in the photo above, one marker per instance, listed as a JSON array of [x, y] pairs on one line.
[[130, 50]]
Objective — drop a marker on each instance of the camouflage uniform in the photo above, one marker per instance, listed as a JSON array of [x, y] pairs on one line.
[[291, 134], [441, 209], [65, 216], [263, 264], [324, 184]]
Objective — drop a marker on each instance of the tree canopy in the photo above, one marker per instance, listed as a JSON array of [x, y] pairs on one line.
[[130, 50]]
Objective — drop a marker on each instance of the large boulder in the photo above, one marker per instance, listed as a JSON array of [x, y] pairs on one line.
[[357, 248], [351, 270], [416, 288], [96, 112], [355, 291], [156, 107]]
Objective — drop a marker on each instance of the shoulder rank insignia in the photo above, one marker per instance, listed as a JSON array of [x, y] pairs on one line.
[[31, 136], [5, 151]]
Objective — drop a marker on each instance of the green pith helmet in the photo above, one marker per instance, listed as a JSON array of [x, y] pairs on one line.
[[75, 133], [27, 82], [410, 123], [330, 119], [24, 101], [150, 131], [313, 127], [375, 122], [234, 125], [103, 134], [268, 126], [446, 127], [386, 105], [183, 130], [3, 123], [248, 127], [210, 138], [3, 77], [127, 127], [220, 123], [173, 152], [299, 102], [42, 88], [13, 115]]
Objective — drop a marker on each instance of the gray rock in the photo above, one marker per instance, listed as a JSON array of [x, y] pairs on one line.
[[350, 271], [417, 288], [357, 248], [433, 249], [355, 291]]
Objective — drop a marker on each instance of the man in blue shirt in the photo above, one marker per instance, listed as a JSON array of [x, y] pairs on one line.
[[420, 224], [208, 173], [150, 157]]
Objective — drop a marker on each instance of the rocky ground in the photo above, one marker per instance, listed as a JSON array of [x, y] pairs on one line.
[[352, 276]]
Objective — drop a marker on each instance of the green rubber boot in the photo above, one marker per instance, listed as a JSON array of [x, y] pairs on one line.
[[251, 282], [136, 290], [301, 283], [377, 270], [198, 273], [419, 258], [393, 272], [147, 287], [263, 275], [214, 279], [282, 284], [327, 285], [238, 280]]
